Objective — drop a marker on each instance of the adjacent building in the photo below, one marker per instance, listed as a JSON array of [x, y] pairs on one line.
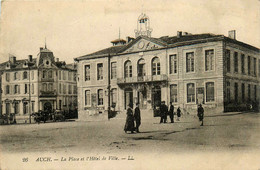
[[219, 72], [34, 84]]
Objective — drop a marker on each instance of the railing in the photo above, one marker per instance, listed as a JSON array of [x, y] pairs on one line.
[[141, 79], [48, 93], [47, 79]]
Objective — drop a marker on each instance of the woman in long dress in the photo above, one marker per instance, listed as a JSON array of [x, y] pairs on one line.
[[129, 124]]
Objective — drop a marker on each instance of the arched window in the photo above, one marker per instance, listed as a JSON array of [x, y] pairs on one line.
[[25, 75], [128, 69], [156, 67], [141, 68]]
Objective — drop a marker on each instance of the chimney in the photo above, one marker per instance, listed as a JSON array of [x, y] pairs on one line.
[[12, 59], [41, 48], [179, 34], [30, 57], [57, 60], [232, 34], [129, 39]]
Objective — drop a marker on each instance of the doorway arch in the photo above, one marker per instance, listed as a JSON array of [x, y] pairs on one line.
[[47, 106]]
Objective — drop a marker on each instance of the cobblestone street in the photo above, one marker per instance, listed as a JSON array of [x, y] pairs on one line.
[[229, 133]]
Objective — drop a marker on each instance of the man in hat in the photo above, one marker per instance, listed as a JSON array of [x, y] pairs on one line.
[[201, 114], [171, 112], [137, 116], [163, 112]]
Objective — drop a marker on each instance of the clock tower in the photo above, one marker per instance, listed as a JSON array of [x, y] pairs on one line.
[[143, 26]]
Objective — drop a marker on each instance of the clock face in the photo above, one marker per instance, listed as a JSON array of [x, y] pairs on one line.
[[140, 45]]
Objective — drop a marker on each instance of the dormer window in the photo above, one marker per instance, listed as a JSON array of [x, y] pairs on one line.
[[25, 64], [47, 62]]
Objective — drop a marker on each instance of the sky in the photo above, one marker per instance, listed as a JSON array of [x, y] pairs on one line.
[[79, 27]]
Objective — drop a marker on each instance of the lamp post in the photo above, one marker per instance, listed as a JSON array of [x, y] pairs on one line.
[[29, 77], [108, 88], [14, 105]]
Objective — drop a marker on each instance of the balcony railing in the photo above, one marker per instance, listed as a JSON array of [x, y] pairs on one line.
[[48, 93], [142, 79], [47, 79]]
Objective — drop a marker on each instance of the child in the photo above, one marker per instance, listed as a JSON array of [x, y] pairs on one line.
[[178, 113]]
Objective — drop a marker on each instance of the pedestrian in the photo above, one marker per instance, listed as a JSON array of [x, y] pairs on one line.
[[201, 114], [171, 112], [163, 112], [137, 117], [178, 113], [129, 124]]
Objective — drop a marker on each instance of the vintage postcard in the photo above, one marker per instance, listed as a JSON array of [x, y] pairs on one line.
[[120, 84]]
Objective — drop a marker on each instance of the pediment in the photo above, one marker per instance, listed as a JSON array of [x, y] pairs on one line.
[[143, 44]]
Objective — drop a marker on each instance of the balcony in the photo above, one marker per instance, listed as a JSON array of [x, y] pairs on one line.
[[47, 79], [48, 93], [143, 79]]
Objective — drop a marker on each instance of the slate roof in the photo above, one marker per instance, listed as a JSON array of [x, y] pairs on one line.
[[19, 65], [167, 41]]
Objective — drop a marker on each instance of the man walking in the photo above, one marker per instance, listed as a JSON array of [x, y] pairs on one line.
[[171, 112], [137, 116], [201, 114]]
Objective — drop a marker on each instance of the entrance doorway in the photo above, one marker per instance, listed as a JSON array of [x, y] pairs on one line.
[[128, 97], [47, 107], [156, 96], [142, 99]]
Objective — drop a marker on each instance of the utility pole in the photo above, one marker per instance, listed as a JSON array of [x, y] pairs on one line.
[[108, 88], [29, 93], [29, 107]]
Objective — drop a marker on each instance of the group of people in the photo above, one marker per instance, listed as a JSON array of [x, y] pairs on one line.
[[133, 119], [164, 112]]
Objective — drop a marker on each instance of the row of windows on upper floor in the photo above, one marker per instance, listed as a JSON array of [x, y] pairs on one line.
[[241, 90], [241, 61], [173, 66], [16, 75], [62, 88], [46, 74], [15, 89]]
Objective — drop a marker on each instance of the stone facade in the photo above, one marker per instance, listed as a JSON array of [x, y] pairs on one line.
[[185, 69]]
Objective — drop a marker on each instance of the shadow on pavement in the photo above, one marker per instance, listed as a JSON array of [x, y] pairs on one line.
[[228, 114]]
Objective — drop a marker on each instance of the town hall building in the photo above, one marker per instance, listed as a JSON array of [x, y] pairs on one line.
[[217, 71]]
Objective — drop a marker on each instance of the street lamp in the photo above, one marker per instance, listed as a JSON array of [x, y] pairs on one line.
[[29, 77], [14, 105]]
